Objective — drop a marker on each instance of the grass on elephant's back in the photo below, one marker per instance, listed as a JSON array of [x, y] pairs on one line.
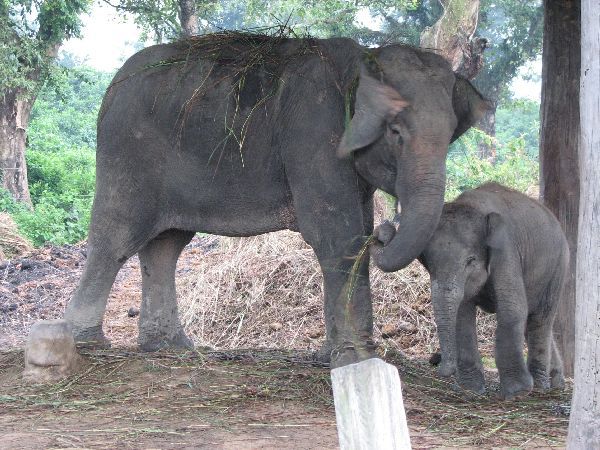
[[266, 291]]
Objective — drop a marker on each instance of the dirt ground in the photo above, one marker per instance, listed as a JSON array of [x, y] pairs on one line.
[[240, 399], [246, 400]]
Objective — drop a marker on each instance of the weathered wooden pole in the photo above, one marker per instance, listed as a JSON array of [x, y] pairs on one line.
[[368, 407], [584, 424], [559, 144]]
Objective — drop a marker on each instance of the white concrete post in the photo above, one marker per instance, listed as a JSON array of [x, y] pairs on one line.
[[368, 406]]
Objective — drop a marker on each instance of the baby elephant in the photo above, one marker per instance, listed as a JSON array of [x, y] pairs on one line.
[[502, 251]]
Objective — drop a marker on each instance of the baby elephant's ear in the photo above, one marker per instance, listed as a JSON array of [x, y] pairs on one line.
[[496, 231]]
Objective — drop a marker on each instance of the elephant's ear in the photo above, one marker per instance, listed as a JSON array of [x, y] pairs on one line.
[[469, 106], [496, 231], [497, 239], [375, 102]]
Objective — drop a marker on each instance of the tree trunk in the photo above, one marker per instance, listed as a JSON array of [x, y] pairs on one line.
[[188, 18], [14, 118], [452, 36], [584, 424], [559, 143]]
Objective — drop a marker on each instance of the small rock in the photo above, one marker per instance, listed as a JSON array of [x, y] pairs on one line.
[[275, 326], [133, 312], [315, 334], [50, 353], [389, 331], [9, 308], [407, 327], [435, 359]]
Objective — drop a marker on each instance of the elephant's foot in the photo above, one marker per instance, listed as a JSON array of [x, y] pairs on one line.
[[349, 353], [323, 355], [152, 342], [517, 387], [557, 379], [92, 337], [541, 380], [471, 379], [446, 368]]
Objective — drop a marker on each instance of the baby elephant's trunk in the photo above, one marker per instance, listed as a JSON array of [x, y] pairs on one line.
[[445, 297]]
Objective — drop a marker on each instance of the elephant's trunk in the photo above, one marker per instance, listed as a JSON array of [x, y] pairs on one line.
[[421, 195], [445, 298]]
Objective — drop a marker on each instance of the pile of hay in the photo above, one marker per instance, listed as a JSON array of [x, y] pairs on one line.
[[11, 242], [266, 291]]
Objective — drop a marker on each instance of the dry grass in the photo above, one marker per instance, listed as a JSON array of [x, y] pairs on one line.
[[11, 243], [266, 292]]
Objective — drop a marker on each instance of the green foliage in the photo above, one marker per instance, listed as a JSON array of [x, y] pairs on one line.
[[61, 159], [62, 188], [514, 30], [466, 170], [64, 116], [326, 18], [29, 34], [519, 118]]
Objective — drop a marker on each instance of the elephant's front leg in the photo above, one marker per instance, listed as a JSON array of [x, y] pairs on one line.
[[469, 369], [348, 309]]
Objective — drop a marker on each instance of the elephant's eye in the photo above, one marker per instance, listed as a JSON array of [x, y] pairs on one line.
[[471, 260], [395, 134]]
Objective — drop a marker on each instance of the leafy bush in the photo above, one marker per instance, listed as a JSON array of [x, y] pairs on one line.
[[520, 118], [514, 167], [62, 189], [64, 115], [61, 159]]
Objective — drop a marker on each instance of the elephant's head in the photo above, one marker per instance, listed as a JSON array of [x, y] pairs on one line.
[[407, 111], [458, 259]]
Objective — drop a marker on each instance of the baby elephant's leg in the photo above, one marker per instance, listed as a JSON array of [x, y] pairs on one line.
[[557, 378], [539, 348], [544, 361], [469, 368], [515, 379]]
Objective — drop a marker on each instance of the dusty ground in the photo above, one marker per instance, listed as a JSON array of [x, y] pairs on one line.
[[245, 399], [234, 398]]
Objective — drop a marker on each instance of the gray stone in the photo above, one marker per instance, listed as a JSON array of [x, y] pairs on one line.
[[368, 406], [50, 353]]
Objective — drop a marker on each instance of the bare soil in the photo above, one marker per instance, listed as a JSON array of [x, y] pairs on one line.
[[256, 398]]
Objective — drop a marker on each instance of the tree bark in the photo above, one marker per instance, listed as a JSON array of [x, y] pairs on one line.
[[188, 18], [14, 118], [15, 112], [584, 424], [452, 36], [559, 143]]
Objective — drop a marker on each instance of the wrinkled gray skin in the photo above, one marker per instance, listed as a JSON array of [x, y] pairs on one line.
[[169, 163], [502, 251]]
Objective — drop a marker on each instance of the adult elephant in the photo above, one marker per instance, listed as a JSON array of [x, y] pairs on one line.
[[238, 135]]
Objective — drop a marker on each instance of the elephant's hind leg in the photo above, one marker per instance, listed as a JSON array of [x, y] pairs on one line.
[[544, 361], [85, 311], [539, 341], [117, 232], [557, 378], [159, 325]]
